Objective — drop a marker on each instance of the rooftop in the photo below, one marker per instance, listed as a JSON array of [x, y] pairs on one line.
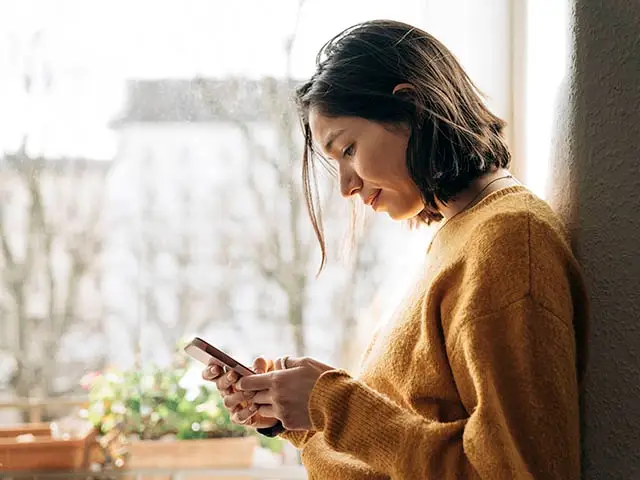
[[203, 100]]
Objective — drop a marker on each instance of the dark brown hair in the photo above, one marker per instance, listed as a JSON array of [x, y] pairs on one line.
[[454, 138]]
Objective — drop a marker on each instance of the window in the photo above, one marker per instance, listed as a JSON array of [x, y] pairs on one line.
[[547, 57], [159, 127], [163, 129]]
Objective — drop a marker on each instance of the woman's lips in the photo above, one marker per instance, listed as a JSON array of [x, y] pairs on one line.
[[373, 199]]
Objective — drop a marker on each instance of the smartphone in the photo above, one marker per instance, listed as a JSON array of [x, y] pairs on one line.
[[206, 353]]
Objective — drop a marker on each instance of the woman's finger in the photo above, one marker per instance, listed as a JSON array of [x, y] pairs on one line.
[[258, 421], [263, 397], [270, 366], [243, 416], [281, 363], [266, 411], [256, 383], [212, 372], [232, 401], [225, 382], [260, 365]]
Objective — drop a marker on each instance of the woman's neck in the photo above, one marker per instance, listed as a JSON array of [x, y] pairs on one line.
[[476, 191]]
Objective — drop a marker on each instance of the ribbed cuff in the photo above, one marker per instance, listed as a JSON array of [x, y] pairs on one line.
[[353, 417], [298, 438], [326, 397]]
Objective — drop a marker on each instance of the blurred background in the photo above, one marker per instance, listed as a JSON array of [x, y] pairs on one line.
[[150, 191]]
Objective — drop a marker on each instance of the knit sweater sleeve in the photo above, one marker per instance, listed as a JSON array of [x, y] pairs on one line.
[[298, 438], [515, 372]]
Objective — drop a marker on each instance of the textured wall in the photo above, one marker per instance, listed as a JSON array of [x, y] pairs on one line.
[[596, 184]]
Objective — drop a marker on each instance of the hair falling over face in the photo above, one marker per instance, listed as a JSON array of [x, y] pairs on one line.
[[454, 138]]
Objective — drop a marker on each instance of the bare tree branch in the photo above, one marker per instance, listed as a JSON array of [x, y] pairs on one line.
[[38, 262], [4, 244]]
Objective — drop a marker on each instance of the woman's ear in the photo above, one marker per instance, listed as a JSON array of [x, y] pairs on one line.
[[402, 86]]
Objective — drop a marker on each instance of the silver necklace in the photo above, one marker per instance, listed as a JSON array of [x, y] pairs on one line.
[[467, 206]]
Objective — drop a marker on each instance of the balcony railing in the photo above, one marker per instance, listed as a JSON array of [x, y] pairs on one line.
[[35, 406], [278, 473], [35, 409]]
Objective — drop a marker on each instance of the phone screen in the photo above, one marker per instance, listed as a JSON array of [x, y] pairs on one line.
[[206, 353]]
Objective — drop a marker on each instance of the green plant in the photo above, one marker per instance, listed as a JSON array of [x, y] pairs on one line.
[[151, 403]]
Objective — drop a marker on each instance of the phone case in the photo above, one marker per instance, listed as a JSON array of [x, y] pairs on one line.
[[206, 353]]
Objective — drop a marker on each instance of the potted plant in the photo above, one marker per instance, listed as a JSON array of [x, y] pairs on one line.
[[148, 418], [37, 446]]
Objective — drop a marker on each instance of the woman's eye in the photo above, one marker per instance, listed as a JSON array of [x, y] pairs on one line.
[[347, 152]]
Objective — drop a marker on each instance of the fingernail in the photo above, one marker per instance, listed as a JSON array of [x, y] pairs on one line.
[[253, 408]]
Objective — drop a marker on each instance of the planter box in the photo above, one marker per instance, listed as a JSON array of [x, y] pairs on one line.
[[223, 453], [43, 453]]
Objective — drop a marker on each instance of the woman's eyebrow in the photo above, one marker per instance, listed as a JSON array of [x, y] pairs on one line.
[[331, 138]]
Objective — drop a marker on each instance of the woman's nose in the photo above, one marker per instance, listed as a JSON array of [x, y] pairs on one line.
[[350, 183]]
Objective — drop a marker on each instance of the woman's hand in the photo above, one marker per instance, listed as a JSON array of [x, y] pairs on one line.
[[236, 401], [283, 393]]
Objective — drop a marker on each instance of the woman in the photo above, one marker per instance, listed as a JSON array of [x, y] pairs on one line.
[[477, 373]]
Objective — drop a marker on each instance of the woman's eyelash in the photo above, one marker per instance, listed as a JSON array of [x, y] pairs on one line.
[[347, 152]]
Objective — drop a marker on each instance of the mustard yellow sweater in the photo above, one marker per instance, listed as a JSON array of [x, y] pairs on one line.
[[476, 374]]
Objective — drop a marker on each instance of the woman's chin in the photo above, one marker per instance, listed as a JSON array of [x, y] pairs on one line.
[[396, 214], [399, 215]]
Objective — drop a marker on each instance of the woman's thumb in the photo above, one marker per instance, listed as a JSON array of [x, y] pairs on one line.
[[260, 365]]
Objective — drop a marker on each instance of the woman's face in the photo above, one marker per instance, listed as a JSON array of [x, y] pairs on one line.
[[371, 162]]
